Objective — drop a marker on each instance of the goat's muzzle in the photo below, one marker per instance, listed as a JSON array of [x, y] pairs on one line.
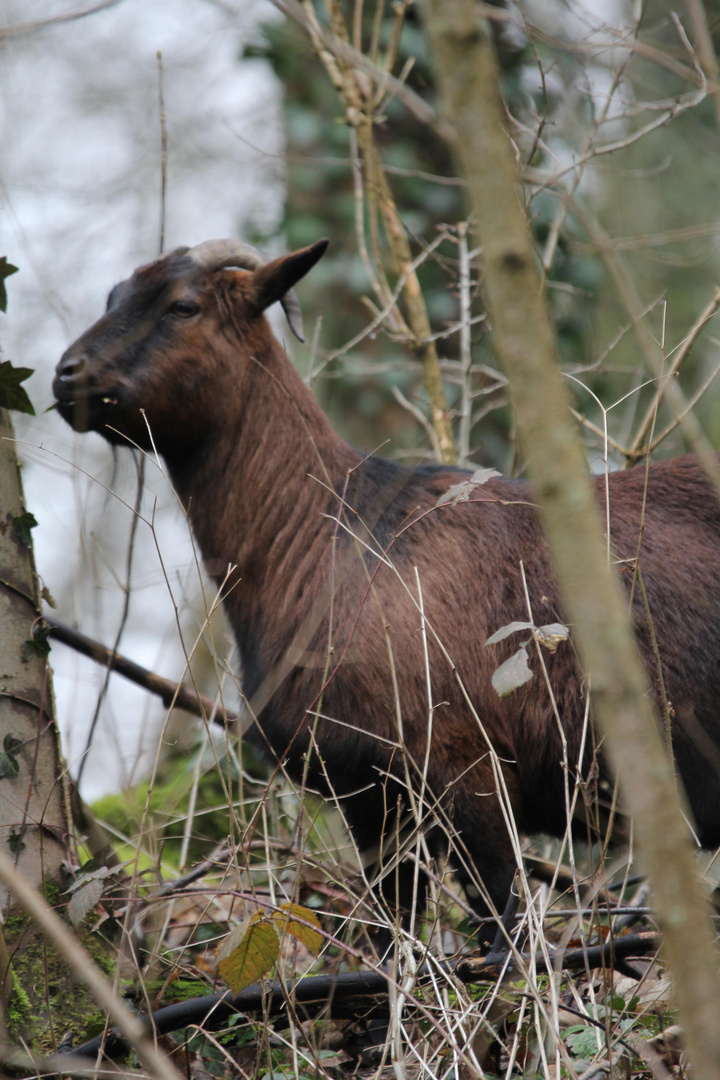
[[85, 405]]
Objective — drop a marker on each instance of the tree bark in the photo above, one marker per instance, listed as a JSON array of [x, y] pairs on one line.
[[41, 995], [526, 349], [34, 819]]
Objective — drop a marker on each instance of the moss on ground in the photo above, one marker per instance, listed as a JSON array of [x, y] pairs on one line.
[[47, 1000]]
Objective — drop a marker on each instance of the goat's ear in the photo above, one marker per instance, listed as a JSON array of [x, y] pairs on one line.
[[273, 280]]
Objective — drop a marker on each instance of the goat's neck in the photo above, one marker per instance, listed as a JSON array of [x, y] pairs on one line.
[[258, 488]]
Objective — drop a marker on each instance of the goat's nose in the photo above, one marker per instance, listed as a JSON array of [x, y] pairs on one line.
[[70, 366]]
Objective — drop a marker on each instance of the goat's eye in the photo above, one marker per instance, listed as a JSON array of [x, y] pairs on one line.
[[184, 308]]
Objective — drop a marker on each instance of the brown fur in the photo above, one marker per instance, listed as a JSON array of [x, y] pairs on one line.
[[271, 489]]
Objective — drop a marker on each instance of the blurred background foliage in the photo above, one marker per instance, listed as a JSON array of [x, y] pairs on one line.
[[576, 83]]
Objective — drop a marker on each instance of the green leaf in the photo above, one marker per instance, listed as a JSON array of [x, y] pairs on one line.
[[249, 952], [6, 269], [11, 744], [9, 764], [22, 524], [16, 842], [37, 646], [582, 1040], [12, 395], [287, 919], [86, 875]]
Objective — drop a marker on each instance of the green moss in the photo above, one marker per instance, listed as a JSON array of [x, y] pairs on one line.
[[52, 893], [47, 1001], [184, 990], [19, 1006], [14, 923], [168, 805]]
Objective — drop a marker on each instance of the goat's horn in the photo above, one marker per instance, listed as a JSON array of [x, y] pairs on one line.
[[215, 254]]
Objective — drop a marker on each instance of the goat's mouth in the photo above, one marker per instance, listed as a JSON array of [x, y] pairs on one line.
[[86, 412]]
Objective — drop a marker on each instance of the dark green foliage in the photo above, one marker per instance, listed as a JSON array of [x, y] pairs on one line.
[[37, 646], [169, 801], [321, 202], [22, 524], [16, 842], [12, 394], [6, 269], [8, 757], [656, 195]]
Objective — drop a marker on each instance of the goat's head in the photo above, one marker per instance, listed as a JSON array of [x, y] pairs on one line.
[[172, 334]]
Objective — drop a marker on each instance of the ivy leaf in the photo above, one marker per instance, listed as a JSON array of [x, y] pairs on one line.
[[514, 673], [38, 646], [12, 394], [16, 842], [461, 492], [6, 269], [22, 524], [287, 919], [249, 952], [581, 1039], [9, 764]]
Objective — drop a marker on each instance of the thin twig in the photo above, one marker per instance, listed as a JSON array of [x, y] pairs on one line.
[[703, 43], [419, 416], [136, 518], [326, 994], [637, 447], [171, 693], [465, 353], [678, 419], [23, 29], [344, 50]]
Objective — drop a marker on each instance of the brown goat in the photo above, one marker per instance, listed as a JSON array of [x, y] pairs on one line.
[[360, 606]]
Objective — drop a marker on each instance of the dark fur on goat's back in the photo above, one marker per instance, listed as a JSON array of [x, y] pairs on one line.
[[334, 554]]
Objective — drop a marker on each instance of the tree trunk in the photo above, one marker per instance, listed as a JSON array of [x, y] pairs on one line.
[[41, 999], [525, 346]]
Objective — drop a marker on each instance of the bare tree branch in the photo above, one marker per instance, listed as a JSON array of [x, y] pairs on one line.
[[23, 29], [172, 694]]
